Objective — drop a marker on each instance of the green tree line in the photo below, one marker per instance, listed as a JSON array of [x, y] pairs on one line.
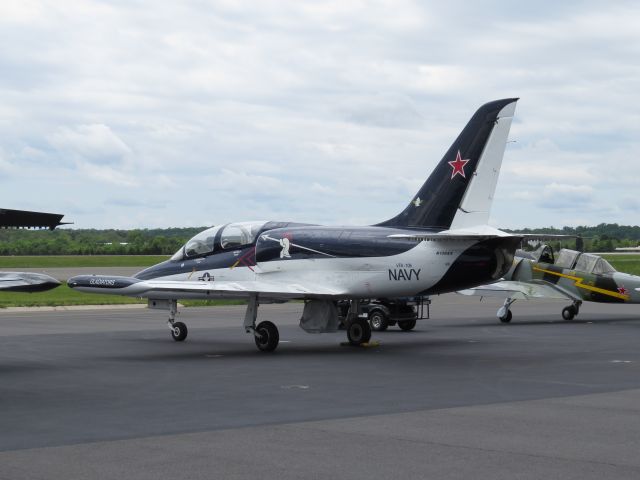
[[66, 241], [605, 237]]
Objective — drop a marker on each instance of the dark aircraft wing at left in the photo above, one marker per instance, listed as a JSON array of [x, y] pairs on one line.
[[26, 282], [27, 219]]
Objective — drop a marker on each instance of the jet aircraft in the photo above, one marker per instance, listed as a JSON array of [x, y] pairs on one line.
[[574, 276], [439, 243], [26, 281]]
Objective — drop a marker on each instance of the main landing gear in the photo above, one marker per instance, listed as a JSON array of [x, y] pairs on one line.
[[568, 313], [504, 312], [358, 329], [265, 334]]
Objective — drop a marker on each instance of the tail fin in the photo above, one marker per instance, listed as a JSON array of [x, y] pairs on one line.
[[460, 190]]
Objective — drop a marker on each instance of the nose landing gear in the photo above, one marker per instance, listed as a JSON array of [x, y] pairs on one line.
[[178, 330]]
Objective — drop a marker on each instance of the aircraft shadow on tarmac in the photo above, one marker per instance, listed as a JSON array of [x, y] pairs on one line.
[[210, 348]]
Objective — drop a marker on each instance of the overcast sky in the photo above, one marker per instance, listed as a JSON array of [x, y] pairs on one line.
[[125, 114]]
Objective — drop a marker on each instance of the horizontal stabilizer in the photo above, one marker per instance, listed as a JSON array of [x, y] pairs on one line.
[[479, 233]]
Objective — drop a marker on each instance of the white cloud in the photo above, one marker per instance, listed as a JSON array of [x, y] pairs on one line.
[[326, 111], [92, 143]]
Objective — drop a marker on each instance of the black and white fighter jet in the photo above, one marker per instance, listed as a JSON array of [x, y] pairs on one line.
[[439, 243]]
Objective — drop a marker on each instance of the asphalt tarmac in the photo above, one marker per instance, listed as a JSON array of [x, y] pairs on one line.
[[107, 394]]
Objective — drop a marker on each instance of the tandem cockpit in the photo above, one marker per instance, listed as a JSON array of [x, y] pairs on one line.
[[222, 237]]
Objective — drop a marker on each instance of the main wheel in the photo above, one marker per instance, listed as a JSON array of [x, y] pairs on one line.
[[507, 318], [569, 312], [268, 337], [378, 321], [358, 331], [179, 331], [407, 325]]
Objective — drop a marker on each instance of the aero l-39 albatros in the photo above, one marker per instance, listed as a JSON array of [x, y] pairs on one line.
[[439, 243]]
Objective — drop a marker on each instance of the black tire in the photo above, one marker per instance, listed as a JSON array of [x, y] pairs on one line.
[[507, 318], [268, 337], [358, 331], [407, 325], [568, 313], [378, 321], [179, 331]]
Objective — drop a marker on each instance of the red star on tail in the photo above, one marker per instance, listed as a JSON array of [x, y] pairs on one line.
[[457, 166]]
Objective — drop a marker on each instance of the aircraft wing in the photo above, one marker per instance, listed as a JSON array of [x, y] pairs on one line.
[[192, 288], [27, 219], [518, 291], [26, 282]]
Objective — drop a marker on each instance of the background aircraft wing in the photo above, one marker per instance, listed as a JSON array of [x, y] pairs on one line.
[[26, 282], [26, 219], [518, 290]]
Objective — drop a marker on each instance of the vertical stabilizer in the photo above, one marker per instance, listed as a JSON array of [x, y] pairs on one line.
[[451, 190], [476, 203]]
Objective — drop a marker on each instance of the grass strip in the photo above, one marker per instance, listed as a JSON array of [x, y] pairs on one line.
[[71, 261]]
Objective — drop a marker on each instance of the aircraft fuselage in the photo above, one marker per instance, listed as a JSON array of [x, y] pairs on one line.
[[354, 262]]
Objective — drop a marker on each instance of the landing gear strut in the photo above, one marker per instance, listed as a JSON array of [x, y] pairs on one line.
[[504, 312], [568, 313], [358, 329], [265, 334], [178, 329]]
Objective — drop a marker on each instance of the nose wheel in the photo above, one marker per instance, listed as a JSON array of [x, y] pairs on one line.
[[179, 331]]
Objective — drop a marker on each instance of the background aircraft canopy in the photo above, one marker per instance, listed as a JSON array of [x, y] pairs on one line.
[[567, 258], [583, 262]]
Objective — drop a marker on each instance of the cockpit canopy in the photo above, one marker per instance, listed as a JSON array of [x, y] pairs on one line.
[[583, 262], [225, 237]]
